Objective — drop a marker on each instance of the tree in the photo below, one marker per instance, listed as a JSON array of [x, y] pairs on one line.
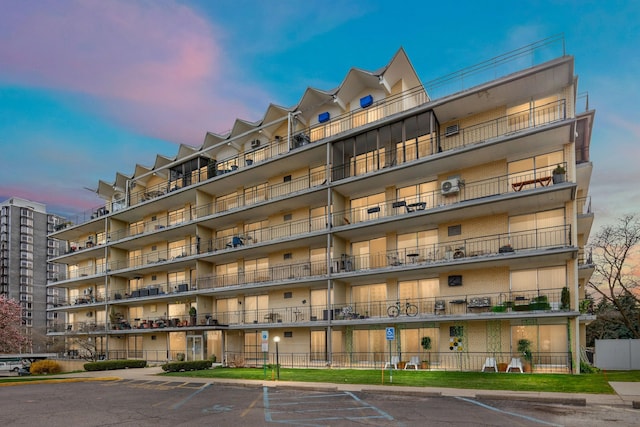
[[87, 348], [12, 336], [615, 249]]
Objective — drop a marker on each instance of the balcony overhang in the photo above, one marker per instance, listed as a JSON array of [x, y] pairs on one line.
[[541, 80]]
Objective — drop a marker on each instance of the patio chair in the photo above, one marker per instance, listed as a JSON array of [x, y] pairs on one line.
[[490, 362], [516, 363], [414, 361], [394, 362]]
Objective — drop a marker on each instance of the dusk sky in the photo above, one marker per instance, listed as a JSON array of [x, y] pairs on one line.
[[91, 88]]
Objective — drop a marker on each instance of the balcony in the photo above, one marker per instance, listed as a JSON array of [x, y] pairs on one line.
[[437, 199], [429, 144]]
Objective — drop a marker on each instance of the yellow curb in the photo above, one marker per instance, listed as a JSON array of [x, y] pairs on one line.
[[59, 380]]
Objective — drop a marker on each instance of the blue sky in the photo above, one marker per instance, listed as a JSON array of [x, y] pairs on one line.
[[90, 88]]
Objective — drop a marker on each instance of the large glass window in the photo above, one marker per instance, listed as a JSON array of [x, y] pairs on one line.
[[362, 209], [256, 270], [538, 230], [533, 171], [255, 307], [418, 246], [370, 344], [369, 254], [369, 300], [227, 274]]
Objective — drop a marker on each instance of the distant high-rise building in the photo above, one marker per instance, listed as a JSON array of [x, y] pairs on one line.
[[24, 249]]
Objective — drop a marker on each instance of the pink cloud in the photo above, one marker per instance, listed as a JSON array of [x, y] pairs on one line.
[[151, 65], [55, 198]]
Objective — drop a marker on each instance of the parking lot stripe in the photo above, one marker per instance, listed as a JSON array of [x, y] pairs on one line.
[[189, 397], [491, 408], [271, 413]]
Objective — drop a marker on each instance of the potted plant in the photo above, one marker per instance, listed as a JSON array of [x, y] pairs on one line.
[[426, 345], [565, 299], [524, 347], [559, 174], [115, 319], [192, 315]]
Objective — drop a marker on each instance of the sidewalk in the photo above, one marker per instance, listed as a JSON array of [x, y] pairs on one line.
[[626, 392]]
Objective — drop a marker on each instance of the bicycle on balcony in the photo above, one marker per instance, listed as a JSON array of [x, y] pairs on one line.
[[409, 309]]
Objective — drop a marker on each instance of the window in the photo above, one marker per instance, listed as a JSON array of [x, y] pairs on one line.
[[456, 331], [532, 170], [360, 207], [366, 299], [538, 230], [177, 249], [177, 216], [535, 280], [254, 306], [454, 230], [256, 270]]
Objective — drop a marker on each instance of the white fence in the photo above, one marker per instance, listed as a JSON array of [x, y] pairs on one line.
[[617, 355]]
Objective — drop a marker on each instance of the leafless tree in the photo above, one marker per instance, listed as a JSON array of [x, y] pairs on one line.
[[616, 252], [86, 347]]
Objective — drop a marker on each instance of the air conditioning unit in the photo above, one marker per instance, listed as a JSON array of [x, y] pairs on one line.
[[450, 186], [451, 130], [255, 143]]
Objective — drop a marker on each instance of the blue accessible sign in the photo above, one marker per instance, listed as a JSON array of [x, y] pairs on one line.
[[391, 333]]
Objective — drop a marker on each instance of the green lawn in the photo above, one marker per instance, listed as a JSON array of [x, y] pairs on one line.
[[585, 383]]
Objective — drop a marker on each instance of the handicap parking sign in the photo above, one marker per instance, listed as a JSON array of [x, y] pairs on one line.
[[391, 334]]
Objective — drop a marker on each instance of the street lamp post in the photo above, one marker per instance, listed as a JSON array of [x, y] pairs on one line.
[[276, 340]]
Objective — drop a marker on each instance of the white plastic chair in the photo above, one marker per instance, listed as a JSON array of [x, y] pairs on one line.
[[490, 362], [394, 362], [414, 361], [516, 363]]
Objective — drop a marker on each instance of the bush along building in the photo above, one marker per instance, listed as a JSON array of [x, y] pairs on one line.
[[454, 214]]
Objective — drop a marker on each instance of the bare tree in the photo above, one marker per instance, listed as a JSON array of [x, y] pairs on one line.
[[87, 348], [615, 249]]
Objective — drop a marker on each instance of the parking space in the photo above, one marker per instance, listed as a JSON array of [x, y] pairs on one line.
[[172, 402]]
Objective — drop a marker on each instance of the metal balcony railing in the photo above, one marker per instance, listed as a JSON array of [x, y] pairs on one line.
[[417, 148], [495, 186], [509, 303], [559, 236]]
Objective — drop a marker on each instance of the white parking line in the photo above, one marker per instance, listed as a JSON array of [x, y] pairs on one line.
[[526, 417], [305, 416]]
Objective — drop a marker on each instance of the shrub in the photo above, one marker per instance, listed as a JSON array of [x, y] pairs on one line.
[[107, 365], [193, 365], [45, 367], [586, 368]]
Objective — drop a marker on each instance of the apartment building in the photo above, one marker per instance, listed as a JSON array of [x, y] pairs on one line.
[[351, 226], [24, 272]]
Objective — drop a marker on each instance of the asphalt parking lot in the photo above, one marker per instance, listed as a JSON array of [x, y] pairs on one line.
[[173, 402]]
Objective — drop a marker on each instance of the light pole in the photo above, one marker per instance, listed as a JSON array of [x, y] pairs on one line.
[[276, 340]]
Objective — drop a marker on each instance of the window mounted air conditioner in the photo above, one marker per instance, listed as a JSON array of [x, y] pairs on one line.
[[451, 130], [255, 143], [450, 186]]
